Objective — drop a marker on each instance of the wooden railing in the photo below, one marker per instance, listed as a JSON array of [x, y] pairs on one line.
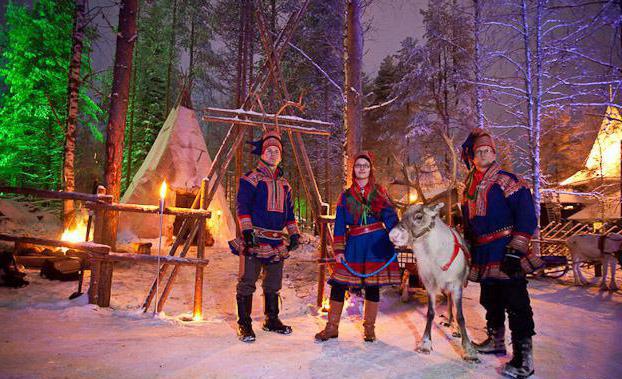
[[100, 252]]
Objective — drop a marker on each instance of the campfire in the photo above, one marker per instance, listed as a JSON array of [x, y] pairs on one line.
[[76, 233]]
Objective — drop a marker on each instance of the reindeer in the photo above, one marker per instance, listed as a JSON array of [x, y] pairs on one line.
[[442, 263], [599, 248]]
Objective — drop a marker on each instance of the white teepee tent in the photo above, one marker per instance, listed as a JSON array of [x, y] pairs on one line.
[[179, 155], [604, 159]]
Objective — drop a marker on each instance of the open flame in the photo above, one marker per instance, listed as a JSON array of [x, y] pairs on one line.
[[76, 233], [163, 190]]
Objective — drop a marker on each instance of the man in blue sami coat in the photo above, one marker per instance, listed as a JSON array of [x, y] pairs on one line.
[[264, 209], [499, 218]]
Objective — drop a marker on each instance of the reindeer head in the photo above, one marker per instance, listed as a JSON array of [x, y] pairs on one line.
[[416, 222]]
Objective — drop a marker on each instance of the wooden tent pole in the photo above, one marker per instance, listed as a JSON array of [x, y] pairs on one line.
[[197, 313], [171, 279]]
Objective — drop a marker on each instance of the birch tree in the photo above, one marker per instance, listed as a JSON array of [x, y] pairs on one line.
[[545, 63], [437, 85], [73, 93]]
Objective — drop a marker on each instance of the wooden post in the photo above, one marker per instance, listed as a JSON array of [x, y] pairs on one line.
[[101, 270], [197, 313], [322, 272]]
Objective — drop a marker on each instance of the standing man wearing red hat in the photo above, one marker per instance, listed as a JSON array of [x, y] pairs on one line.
[[365, 216], [264, 209], [499, 217]]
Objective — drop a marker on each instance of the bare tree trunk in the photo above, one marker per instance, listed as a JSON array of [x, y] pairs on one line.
[[241, 75], [353, 85], [538, 110], [327, 174], [115, 129], [191, 52], [533, 116], [171, 56], [250, 50], [251, 45], [271, 93], [130, 136], [73, 97], [238, 78], [477, 25]]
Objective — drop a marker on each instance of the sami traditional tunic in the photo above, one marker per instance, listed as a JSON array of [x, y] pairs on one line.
[[264, 204], [498, 212], [364, 219]]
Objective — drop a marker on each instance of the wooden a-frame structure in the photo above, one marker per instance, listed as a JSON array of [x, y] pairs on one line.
[[238, 119]]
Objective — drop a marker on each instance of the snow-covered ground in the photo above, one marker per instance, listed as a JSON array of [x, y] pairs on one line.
[[45, 335]]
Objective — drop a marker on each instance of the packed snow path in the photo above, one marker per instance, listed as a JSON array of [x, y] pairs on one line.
[[45, 335]]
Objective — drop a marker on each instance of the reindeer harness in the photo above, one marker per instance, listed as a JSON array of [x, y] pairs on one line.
[[457, 245]]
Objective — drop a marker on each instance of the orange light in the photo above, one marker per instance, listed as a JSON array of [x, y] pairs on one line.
[[163, 190], [74, 234], [412, 197], [198, 317]]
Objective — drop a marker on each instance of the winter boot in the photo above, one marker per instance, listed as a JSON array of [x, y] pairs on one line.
[[494, 343], [245, 329], [370, 311], [521, 365], [332, 325], [271, 310]]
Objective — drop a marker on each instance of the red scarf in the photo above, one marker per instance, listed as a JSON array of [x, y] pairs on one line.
[[477, 179], [375, 196]]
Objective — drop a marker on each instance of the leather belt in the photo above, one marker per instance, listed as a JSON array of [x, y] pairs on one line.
[[488, 238], [269, 234], [360, 230]]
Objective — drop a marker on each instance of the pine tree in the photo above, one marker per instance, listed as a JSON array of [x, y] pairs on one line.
[[148, 98], [33, 109]]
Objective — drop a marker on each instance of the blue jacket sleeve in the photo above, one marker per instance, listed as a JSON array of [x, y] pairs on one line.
[[524, 214], [244, 203], [339, 233]]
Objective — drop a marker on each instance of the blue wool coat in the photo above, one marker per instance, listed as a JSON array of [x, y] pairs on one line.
[[502, 202], [265, 205], [367, 252]]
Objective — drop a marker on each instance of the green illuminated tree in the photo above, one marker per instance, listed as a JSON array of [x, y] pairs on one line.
[[33, 107]]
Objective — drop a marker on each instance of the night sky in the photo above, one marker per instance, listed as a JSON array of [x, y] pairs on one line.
[[391, 21]]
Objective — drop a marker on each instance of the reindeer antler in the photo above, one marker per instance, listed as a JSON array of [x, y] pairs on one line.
[[406, 181]]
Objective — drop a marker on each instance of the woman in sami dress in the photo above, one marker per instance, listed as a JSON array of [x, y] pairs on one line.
[[365, 216]]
